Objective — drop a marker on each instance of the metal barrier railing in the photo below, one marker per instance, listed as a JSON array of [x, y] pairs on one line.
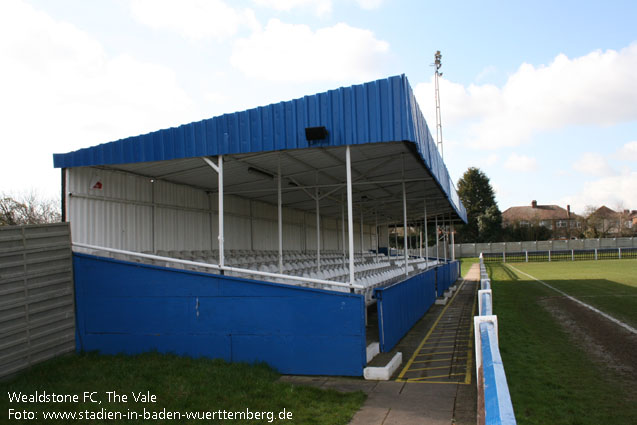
[[494, 400], [238, 270], [561, 255]]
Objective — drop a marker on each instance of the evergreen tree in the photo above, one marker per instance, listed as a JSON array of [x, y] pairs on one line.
[[484, 216]]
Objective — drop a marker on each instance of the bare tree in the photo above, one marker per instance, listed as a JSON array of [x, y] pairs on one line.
[[28, 208], [594, 225]]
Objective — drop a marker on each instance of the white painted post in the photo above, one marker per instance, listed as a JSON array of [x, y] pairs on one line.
[[453, 244], [280, 217], [444, 239], [405, 227], [426, 240], [526, 254], [572, 255], [437, 242], [504, 257], [376, 232], [350, 216], [595, 253], [396, 237], [549, 255], [620, 253], [343, 225], [318, 228], [222, 260], [362, 230]]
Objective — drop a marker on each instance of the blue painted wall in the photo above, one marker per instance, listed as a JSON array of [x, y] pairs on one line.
[[446, 275], [131, 308], [401, 305]]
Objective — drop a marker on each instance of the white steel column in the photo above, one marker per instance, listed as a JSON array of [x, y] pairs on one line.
[[219, 169], [350, 216], [437, 241], [407, 237], [453, 244], [444, 240], [318, 229], [420, 246], [405, 227], [376, 232], [343, 225], [396, 237], [280, 211], [362, 232], [222, 260], [426, 240]]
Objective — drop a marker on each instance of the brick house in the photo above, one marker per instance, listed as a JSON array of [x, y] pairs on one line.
[[562, 222], [608, 222]]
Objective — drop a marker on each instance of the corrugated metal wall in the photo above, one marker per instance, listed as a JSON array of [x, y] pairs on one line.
[[37, 320], [129, 212]]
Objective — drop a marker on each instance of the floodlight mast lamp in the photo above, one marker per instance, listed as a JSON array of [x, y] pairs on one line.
[[437, 74]]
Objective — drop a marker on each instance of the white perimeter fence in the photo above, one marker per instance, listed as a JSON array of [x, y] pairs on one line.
[[475, 249]]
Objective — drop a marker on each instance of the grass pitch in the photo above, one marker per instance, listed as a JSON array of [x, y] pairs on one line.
[[610, 285], [551, 378]]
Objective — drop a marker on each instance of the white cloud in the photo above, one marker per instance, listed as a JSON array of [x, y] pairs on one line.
[[295, 53], [609, 191], [593, 164], [522, 163], [599, 88], [491, 159], [628, 152], [486, 72], [321, 7], [193, 19], [369, 4], [459, 104], [61, 91]]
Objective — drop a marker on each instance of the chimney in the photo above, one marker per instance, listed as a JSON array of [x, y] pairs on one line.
[[568, 210], [534, 204]]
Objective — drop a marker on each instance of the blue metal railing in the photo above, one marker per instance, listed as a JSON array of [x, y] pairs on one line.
[[494, 400], [497, 401], [485, 300]]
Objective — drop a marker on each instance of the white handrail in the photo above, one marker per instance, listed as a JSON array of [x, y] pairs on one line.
[[217, 267]]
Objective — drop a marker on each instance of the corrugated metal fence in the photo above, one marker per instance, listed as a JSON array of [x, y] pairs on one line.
[[37, 319], [474, 249]]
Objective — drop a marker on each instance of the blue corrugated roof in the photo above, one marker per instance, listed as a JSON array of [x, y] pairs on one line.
[[379, 111]]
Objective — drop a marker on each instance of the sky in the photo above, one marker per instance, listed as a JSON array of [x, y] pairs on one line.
[[541, 96]]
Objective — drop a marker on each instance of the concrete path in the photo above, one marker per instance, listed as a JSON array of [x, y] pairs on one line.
[[407, 403], [402, 403]]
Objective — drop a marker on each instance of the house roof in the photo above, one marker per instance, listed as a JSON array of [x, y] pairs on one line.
[[604, 212], [539, 212]]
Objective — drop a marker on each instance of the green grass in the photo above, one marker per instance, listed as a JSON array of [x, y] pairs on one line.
[[551, 380], [180, 384], [465, 264], [610, 285]]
